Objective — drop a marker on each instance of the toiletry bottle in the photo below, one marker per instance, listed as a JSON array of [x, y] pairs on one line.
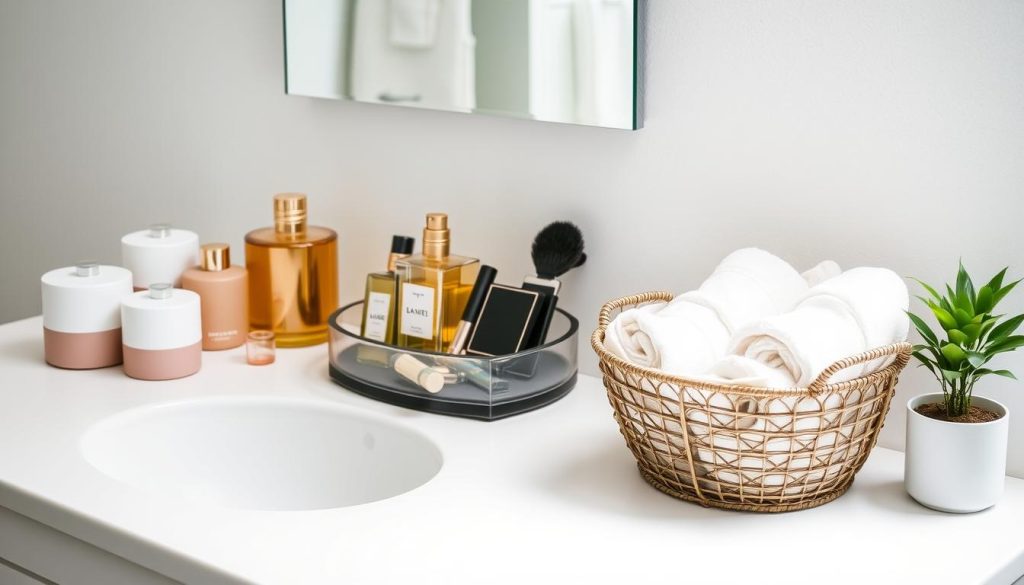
[[159, 254], [379, 322], [433, 290], [82, 315], [293, 275], [224, 292], [161, 333]]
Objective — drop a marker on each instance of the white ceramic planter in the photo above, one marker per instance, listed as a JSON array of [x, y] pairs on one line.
[[956, 467]]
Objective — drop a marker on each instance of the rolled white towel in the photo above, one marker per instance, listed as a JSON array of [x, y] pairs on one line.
[[690, 334], [822, 272], [624, 338], [859, 310], [747, 285]]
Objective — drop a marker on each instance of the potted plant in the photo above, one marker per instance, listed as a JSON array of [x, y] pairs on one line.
[[956, 441]]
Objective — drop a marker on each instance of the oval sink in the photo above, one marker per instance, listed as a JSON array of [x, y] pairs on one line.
[[261, 453]]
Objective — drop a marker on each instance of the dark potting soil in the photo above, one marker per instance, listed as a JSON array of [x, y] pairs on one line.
[[975, 414]]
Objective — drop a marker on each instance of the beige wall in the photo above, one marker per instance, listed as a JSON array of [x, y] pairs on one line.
[[872, 132]]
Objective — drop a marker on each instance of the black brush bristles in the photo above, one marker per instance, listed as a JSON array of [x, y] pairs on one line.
[[557, 249]]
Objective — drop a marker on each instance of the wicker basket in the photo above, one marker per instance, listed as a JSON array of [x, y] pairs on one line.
[[744, 448]]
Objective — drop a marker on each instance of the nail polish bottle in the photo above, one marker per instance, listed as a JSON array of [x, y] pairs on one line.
[[223, 290]]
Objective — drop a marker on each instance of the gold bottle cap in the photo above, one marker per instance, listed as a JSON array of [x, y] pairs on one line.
[[436, 236], [214, 257], [290, 213]]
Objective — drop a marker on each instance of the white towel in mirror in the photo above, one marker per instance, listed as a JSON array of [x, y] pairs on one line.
[[412, 24]]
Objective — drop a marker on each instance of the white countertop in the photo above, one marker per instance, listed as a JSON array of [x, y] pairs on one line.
[[552, 494]]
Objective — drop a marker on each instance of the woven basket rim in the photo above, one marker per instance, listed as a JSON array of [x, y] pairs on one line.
[[900, 351]]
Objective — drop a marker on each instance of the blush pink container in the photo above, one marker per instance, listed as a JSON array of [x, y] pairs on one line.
[[162, 334], [82, 315]]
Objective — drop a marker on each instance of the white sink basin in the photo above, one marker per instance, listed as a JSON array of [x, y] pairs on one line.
[[261, 453]]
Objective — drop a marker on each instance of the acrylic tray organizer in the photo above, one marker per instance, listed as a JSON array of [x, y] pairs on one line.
[[745, 448], [489, 388]]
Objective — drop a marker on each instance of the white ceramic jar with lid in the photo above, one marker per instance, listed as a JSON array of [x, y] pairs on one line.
[[162, 333], [159, 254], [82, 315]]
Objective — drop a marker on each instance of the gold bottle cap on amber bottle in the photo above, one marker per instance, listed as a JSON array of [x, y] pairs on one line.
[[214, 257], [436, 236], [290, 213]]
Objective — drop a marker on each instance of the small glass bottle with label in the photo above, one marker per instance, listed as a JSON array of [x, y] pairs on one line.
[[381, 302], [433, 290]]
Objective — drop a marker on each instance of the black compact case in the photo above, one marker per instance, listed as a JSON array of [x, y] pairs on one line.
[[507, 321]]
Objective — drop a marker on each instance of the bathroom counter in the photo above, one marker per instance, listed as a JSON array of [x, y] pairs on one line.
[[553, 493]]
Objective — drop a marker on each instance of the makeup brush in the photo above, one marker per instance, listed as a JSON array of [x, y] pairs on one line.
[[557, 249]]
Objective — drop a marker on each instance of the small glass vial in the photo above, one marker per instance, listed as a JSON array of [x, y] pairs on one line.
[[260, 348], [379, 321], [159, 254], [224, 291]]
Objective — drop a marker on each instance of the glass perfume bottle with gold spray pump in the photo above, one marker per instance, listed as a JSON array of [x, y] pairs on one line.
[[379, 306], [433, 289], [293, 275]]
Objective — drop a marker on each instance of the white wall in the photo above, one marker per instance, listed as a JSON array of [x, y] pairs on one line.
[[873, 132]]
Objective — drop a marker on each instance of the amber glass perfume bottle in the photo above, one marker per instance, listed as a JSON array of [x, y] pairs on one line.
[[293, 275], [433, 290], [379, 321]]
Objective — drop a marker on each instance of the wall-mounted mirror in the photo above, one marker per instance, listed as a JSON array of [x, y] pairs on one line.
[[572, 61]]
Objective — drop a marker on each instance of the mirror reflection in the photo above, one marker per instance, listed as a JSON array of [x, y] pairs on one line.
[[570, 61]]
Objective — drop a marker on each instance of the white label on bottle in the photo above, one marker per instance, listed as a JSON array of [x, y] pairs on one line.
[[377, 308], [417, 311]]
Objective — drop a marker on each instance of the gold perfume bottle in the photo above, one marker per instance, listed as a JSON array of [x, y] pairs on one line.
[[293, 275], [433, 290], [379, 321]]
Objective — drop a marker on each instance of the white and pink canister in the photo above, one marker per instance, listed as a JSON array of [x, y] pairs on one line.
[[162, 333], [159, 254], [82, 315]]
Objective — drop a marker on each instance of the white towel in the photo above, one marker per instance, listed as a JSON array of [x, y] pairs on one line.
[[690, 334], [441, 76], [412, 24], [859, 310]]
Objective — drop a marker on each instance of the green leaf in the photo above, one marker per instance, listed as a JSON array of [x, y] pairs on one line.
[[925, 360], [945, 319], [973, 332], [985, 372], [962, 316], [999, 294], [976, 359], [1006, 328], [958, 337], [1009, 344], [950, 375], [963, 286], [923, 328], [997, 281], [947, 302], [928, 288], [984, 303], [989, 323], [953, 353]]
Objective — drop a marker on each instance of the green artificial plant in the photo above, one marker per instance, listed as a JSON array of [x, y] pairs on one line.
[[973, 336]]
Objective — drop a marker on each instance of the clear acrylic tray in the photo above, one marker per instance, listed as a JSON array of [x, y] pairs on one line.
[[486, 388]]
